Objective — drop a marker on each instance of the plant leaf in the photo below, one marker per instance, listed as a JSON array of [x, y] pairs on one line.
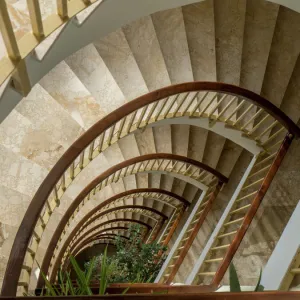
[[259, 287], [61, 282], [90, 271], [47, 282], [234, 280], [81, 279], [125, 291], [103, 278], [70, 285]]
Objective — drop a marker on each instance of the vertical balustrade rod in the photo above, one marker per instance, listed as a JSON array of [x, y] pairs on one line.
[[62, 8], [8, 34], [36, 18]]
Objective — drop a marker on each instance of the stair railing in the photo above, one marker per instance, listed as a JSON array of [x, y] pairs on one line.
[[18, 50], [103, 224], [190, 234], [237, 108], [88, 230], [232, 227], [98, 212], [151, 162], [149, 212]]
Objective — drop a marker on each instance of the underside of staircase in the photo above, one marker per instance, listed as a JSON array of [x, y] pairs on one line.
[[251, 44]]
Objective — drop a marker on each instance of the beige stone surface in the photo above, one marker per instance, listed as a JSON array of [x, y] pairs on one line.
[[92, 170], [200, 31], [141, 180], [13, 206], [229, 157], [167, 182], [190, 193], [213, 149], [143, 42], [162, 138], [20, 135], [69, 91], [260, 23], [7, 237], [91, 70], [171, 34], [178, 186], [197, 142], [129, 146], [53, 122], [145, 141], [180, 139], [291, 101], [229, 30], [119, 59], [19, 173], [283, 55]]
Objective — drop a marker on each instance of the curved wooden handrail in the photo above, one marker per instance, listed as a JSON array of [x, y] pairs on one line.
[[111, 236], [112, 199], [35, 207], [79, 246], [106, 223], [89, 239], [65, 245], [110, 243], [61, 225], [71, 210]]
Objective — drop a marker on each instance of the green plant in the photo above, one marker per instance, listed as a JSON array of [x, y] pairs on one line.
[[134, 260], [235, 283], [66, 286]]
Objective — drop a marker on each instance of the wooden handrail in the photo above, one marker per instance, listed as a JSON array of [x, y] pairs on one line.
[[111, 236], [253, 209], [106, 236], [88, 240], [180, 293], [166, 241], [36, 206], [193, 234], [80, 245], [116, 220], [124, 220], [63, 222], [63, 249], [103, 224], [157, 231], [89, 218], [155, 289]]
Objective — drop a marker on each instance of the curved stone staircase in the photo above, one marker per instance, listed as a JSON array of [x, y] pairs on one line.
[[253, 44]]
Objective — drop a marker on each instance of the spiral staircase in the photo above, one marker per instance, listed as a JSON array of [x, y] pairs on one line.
[[180, 116]]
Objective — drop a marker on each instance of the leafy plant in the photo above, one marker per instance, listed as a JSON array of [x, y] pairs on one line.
[[66, 287], [134, 260], [235, 283]]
